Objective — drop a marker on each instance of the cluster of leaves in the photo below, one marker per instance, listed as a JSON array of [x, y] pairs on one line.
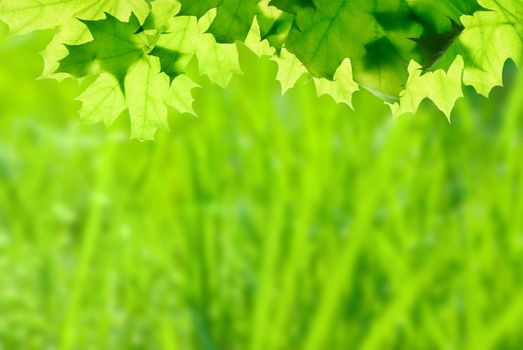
[[135, 54]]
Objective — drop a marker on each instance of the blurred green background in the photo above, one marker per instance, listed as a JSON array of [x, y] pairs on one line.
[[267, 223]]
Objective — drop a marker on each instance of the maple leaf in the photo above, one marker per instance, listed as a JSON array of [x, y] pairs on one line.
[[24, 16], [187, 38], [102, 101], [342, 87], [476, 57], [293, 6], [376, 37], [129, 68], [138, 51], [146, 89], [233, 17], [488, 40], [148, 62], [441, 87], [114, 49], [274, 25]]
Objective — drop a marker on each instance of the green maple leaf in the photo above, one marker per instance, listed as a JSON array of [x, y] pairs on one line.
[[139, 50], [129, 68], [188, 38], [476, 58], [102, 101], [293, 6], [378, 37], [233, 17], [441, 87], [438, 13], [24, 16], [290, 69], [148, 62], [274, 25], [146, 90], [341, 88], [179, 95], [114, 49], [198, 8], [162, 12], [488, 40]]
